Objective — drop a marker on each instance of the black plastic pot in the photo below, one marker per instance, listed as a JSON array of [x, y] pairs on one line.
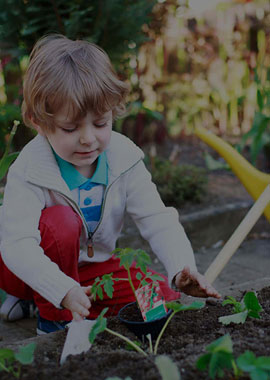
[[141, 329]]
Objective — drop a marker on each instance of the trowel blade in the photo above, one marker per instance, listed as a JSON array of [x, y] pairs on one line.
[[77, 338]]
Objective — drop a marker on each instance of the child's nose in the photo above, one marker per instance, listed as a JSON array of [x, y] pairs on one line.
[[87, 135]]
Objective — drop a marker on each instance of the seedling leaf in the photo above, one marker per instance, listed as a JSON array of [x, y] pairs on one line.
[[234, 318], [175, 306], [126, 256], [251, 302], [203, 361], [142, 260], [249, 363], [26, 354], [258, 374], [218, 361], [264, 362], [167, 368], [246, 361], [99, 326], [108, 287], [6, 354], [100, 293], [249, 307], [223, 343], [154, 277], [238, 307]]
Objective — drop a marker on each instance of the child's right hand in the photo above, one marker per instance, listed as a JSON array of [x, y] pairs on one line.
[[77, 301]]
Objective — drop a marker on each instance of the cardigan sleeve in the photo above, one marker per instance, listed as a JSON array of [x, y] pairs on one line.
[[158, 224], [20, 244]]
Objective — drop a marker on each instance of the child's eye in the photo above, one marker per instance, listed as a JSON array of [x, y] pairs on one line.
[[100, 125], [67, 130]]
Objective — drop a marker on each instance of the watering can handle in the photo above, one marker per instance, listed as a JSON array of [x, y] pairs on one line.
[[238, 236]]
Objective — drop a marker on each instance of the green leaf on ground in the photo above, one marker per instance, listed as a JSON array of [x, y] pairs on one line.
[[167, 368], [234, 318], [26, 354]]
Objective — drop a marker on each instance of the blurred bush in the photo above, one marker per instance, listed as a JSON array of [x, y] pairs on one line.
[[179, 184]]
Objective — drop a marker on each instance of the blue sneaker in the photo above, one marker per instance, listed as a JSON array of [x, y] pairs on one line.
[[44, 326]]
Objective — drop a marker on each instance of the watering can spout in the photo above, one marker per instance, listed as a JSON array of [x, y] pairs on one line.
[[253, 179]]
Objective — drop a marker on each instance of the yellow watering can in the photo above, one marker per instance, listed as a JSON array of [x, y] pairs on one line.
[[254, 180]]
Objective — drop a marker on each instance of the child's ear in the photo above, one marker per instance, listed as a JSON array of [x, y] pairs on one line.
[[36, 126]]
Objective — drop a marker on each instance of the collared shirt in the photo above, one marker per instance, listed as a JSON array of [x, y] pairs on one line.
[[88, 193]]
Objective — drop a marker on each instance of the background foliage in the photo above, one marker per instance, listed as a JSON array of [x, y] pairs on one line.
[[185, 69]]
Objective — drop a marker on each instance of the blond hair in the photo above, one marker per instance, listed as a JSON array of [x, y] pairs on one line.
[[75, 73]]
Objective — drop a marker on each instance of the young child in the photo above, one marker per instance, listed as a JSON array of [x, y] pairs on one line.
[[68, 191]]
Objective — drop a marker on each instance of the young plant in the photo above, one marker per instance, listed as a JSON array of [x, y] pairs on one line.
[[258, 368], [218, 358], [248, 307], [8, 358], [127, 256]]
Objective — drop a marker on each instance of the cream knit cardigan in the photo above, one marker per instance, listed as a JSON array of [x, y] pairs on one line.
[[34, 183]]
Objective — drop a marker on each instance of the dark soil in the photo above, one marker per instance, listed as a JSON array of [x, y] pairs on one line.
[[184, 341]]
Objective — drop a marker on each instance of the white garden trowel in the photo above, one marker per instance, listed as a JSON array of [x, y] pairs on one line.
[[77, 340]]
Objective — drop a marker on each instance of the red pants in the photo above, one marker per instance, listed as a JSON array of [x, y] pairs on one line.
[[60, 229]]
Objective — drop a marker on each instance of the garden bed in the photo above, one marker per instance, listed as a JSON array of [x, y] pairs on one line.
[[184, 341]]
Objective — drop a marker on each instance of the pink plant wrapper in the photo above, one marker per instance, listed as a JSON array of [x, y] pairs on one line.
[[151, 301]]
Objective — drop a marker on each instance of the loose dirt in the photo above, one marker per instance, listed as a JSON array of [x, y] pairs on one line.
[[184, 341]]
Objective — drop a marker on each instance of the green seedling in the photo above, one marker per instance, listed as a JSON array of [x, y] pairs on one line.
[[8, 359], [218, 358], [258, 368], [248, 307], [127, 256]]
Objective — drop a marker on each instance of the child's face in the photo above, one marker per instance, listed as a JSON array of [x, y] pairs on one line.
[[80, 143]]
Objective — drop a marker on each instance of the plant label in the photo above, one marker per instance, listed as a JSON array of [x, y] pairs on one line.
[[151, 302]]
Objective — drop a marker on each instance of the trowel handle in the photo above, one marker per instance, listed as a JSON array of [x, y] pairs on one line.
[[238, 236]]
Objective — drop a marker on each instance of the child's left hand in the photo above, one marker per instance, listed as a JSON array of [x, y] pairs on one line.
[[194, 284]]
